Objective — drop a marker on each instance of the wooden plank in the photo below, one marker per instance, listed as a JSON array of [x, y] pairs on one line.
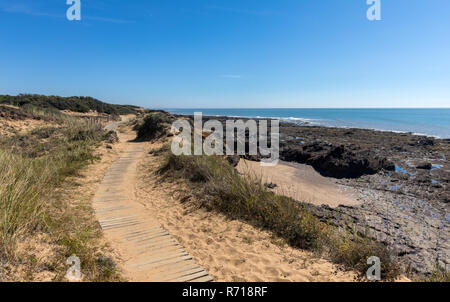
[[112, 209], [161, 234], [110, 223], [121, 226], [207, 278], [191, 277], [103, 199], [166, 251], [145, 237], [164, 264], [170, 244], [117, 218], [182, 273], [132, 232], [165, 273], [161, 262], [156, 243], [147, 245], [146, 231]]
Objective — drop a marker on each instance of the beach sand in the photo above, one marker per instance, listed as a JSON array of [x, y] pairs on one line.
[[301, 182]]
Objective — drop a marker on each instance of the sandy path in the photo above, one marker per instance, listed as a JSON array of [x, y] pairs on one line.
[[300, 182], [229, 250], [147, 251]]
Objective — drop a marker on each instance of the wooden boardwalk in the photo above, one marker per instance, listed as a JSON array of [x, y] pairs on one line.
[[149, 252]]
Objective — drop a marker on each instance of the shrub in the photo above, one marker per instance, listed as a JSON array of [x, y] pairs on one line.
[[353, 250], [438, 275], [152, 126]]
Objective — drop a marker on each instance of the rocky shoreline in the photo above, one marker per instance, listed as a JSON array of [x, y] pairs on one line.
[[400, 179]]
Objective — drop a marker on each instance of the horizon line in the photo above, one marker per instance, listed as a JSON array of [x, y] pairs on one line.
[[192, 108]]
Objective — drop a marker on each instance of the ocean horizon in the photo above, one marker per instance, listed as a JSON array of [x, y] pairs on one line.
[[421, 121]]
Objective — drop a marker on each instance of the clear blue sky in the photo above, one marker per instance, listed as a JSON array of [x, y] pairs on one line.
[[230, 53]]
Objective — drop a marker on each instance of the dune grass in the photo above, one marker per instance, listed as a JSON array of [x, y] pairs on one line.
[[33, 166], [25, 182], [438, 275]]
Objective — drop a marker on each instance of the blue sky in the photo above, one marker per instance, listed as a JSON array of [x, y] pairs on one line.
[[230, 53]]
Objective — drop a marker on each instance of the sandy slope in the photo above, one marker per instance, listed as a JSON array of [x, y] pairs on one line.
[[228, 250]]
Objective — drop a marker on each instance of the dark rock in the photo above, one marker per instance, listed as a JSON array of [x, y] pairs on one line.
[[337, 161], [233, 160], [109, 147], [445, 197], [426, 142], [270, 185], [424, 166], [423, 179], [112, 137]]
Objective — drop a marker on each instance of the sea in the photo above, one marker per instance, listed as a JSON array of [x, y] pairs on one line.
[[430, 121]]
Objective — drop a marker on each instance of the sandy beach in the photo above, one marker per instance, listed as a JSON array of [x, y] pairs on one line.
[[299, 181]]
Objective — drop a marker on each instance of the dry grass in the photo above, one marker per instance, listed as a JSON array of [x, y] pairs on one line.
[[33, 167], [438, 275], [25, 184], [71, 223]]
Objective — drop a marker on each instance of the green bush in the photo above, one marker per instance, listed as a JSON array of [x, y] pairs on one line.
[[352, 250], [152, 126], [438, 275]]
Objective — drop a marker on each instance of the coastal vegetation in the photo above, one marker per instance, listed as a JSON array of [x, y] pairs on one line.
[[37, 168], [438, 275], [74, 103], [151, 126]]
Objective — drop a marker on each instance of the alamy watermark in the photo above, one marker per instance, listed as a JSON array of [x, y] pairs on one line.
[[74, 271], [74, 11], [374, 11], [237, 142], [374, 272]]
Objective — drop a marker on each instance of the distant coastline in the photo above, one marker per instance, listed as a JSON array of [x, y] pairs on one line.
[[433, 122]]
